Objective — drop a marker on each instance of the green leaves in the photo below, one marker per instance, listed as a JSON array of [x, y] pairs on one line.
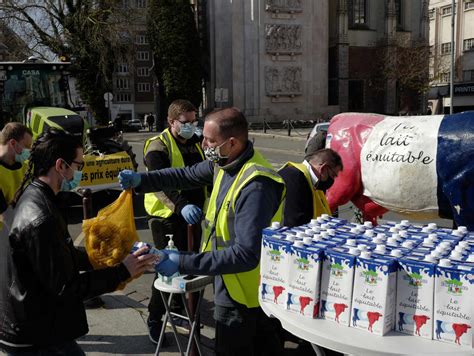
[[175, 44]]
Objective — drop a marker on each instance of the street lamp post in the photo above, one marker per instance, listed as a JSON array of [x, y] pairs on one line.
[[451, 74]]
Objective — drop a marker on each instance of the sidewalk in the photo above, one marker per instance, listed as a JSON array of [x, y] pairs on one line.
[[119, 327], [299, 134]]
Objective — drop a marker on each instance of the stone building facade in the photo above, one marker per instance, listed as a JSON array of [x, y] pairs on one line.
[[310, 59], [269, 58], [440, 15]]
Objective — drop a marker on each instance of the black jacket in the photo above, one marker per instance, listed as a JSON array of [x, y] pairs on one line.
[[41, 289], [299, 197]]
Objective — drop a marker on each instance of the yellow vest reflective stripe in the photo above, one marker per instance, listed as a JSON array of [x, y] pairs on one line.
[[320, 203], [153, 205], [10, 181], [219, 226]]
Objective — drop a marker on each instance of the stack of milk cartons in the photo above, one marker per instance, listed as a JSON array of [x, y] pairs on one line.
[[304, 278], [274, 264], [373, 297], [454, 291]]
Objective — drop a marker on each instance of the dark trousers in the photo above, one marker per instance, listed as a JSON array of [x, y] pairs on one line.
[[70, 348], [246, 331], [159, 229]]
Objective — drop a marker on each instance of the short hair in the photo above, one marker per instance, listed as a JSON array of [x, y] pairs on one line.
[[15, 131], [47, 149], [178, 107], [328, 156], [231, 122]]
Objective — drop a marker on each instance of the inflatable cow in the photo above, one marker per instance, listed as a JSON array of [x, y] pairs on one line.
[[419, 166]]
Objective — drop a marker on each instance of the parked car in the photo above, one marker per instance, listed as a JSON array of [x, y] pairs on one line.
[[134, 125], [321, 127]]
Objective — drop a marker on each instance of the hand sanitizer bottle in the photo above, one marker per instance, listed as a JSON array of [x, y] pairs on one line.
[[170, 246]]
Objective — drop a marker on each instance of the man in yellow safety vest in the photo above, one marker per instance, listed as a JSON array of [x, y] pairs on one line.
[[247, 196], [170, 210], [306, 184]]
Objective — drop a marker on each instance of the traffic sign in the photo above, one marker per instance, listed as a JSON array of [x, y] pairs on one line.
[[108, 96]]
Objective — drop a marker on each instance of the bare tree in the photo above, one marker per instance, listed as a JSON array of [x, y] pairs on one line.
[[91, 33]]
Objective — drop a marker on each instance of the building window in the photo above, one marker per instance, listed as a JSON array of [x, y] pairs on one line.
[[468, 75], [123, 83], [469, 44], [122, 68], [143, 55], [446, 48], [444, 77], [123, 97], [399, 13], [431, 14], [141, 39], [141, 4], [358, 13], [143, 87], [143, 71], [445, 11], [468, 5], [125, 4]]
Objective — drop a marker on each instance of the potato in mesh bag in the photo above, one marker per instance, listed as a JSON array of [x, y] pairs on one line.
[[107, 244]]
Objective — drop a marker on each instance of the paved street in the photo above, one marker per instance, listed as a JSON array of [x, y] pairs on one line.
[[120, 326]]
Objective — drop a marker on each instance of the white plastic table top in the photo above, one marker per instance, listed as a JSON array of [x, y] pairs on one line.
[[167, 288], [358, 342]]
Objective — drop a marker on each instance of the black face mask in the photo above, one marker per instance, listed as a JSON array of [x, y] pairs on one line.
[[324, 185]]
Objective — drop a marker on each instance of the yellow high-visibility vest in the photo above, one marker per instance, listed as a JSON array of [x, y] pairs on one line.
[[320, 203], [219, 226], [153, 205], [10, 181]]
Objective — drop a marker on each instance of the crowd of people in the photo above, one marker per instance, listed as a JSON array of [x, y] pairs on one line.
[[218, 181]]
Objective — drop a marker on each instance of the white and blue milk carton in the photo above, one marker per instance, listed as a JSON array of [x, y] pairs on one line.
[[304, 279], [274, 266], [373, 298], [336, 284], [454, 303], [415, 295]]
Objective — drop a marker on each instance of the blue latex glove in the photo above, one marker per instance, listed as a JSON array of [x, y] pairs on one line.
[[170, 265], [191, 213], [129, 179]]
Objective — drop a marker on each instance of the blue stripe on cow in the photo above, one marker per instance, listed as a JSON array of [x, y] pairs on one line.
[[455, 168]]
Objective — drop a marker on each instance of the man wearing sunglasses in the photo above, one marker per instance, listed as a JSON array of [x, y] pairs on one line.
[[170, 211], [306, 184]]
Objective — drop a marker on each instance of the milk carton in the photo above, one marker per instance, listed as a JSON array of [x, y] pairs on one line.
[[415, 295], [304, 279], [373, 298], [454, 295], [336, 284], [274, 264]]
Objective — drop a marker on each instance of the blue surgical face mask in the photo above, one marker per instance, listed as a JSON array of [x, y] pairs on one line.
[[23, 156], [186, 130], [68, 185]]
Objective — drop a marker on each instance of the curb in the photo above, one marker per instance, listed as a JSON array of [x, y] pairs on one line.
[[279, 136], [140, 136]]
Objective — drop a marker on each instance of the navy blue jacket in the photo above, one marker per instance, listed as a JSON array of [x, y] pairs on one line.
[[254, 208]]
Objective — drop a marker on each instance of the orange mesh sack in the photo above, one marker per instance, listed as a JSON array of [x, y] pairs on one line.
[[109, 236]]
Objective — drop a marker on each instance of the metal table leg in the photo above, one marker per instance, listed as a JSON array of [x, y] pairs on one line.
[[163, 328], [194, 319]]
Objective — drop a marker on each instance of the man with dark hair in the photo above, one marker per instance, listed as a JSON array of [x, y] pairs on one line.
[[247, 195], [170, 211], [15, 144], [42, 289], [306, 184]]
